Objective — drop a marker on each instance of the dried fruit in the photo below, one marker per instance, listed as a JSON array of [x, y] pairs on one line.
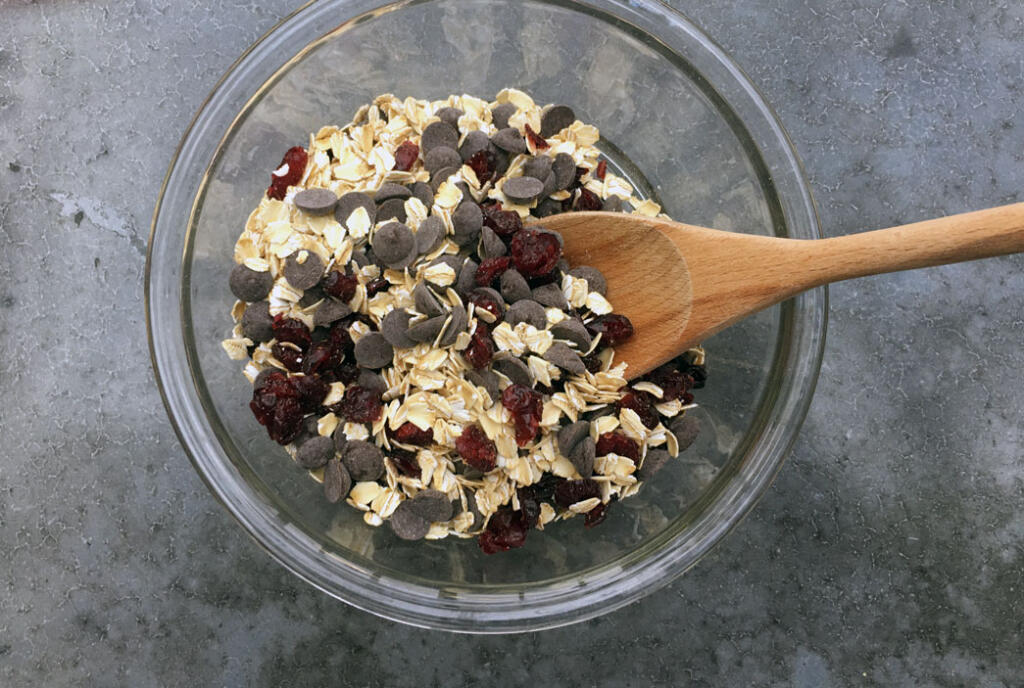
[[340, 286], [596, 516], [536, 139], [410, 433], [476, 449], [405, 462], [481, 348], [526, 407], [405, 156], [375, 286], [505, 223], [602, 169], [292, 166], [359, 405], [569, 492], [286, 421], [588, 200], [491, 269], [640, 402], [506, 530], [614, 328], [291, 330], [322, 357], [674, 384], [290, 358], [310, 390], [529, 506], [483, 163], [482, 299], [616, 443], [535, 253]]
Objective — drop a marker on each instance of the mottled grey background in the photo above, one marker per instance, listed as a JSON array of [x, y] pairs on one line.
[[889, 552]]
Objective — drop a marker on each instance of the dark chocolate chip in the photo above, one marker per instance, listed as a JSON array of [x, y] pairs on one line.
[[550, 185], [392, 243], [547, 207], [373, 351], [392, 209], [653, 462], [257, 322], [570, 435], [562, 266], [486, 379], [467, 221], [359, 258], [351, 201], [340, 438], [474, 142], [433, 505], [514, 369], [595, 280], [363, 460], [389, 190], [315, 452], [501, 113], [311, 296], [394, 326], [556, 118], [612, 204], [337, 481], [565, 358], [509, 140], [442, 157], [574, 331], [426, 301], [456, 325], [421, 190], [305, 274], [370, 380], [685, 429], [454, 262], [582, 456], [450, 115], [564, 167], [514, 286], [438, 134], [329, 311], [501, 160], [427, 330], [491, 245], [466, 281], [550, 295], [316, 201], [487, 293], [528, 311], [407, 524], [262, 376], [441, 176], [430, 234], [522, 189], [538, 167], [248, 285]]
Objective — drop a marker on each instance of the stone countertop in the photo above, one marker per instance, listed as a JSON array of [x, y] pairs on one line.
[[890, 550]]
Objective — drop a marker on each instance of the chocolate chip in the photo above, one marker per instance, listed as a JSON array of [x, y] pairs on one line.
[[392, 244], [565, 358], [514, 286], [370, 380], [305, 274], [501, 160], [550, 186], [389, 190], [653, 462], [315, 452], [466, 281], [538, 167], [454, 262], [474, 142], [393, 327], [433, 505], [340, 439], [248, 285], [257, 322], [522, 189], [612, 204], [316, 201], [337, 481], [456, 325], [491, 245], [501, 113], [329, 311], [407, 524], [392, 209], [595, 280], [574, 331], [525, 310], [262, 376], [582, 456], [351, 201], [373, 351], [427, 330], [450, 115], [487, 293], [547, 207], [359, 258], [512, 368], [564, 167], [685, 429], [562, 266], [442, 157], [311, 296], [441, 176], [422, 191], [550, 295], [430, 234], [425, 300], [570, 435], [363, 460], [554, 119], [509, 140], [467, 221], [438, 134], [557, 235], [486, 379]]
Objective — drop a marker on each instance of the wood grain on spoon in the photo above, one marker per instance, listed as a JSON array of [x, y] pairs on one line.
[[680, 284]]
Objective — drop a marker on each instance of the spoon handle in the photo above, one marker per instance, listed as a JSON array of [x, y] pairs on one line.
[[953, 239]]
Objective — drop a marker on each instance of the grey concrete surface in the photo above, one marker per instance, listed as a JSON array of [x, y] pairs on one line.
[[890, 551]]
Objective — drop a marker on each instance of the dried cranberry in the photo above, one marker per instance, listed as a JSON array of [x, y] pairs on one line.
[[640, 402], [536, 139], [295, 158], [616, 443], [526, 407], [340, 286], [535, 253], [483, 163], [375, 286], [487, 302], [569, 492], [481, 348], [405, 462], [359, 405], [506, 530], [588, 200], [322, 357], [290, 358], [614, 328], [311, 391], [291, 330], [490, 269], [410, 433], [405, 156], [674, 384], [340, 338], [602, 169], [529, 506], [476, 450], [577, 180], [593, 362], [505, 223], [596, 516], [286, 421], [699, 375], [261, 412]]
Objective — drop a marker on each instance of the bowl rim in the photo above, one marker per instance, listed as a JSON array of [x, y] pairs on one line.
[[504, 612]]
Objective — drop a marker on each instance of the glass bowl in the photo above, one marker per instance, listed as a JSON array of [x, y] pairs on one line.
[[677, 117]]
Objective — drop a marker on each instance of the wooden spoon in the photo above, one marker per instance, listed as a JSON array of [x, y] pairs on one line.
[[680, 284]]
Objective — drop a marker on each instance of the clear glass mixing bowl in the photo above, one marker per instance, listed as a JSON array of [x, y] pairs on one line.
[[677, 116]]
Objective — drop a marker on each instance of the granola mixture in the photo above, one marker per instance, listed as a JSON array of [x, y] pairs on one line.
[[427, 356]]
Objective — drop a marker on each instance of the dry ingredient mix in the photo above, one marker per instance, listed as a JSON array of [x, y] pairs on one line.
[[422, 348]]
